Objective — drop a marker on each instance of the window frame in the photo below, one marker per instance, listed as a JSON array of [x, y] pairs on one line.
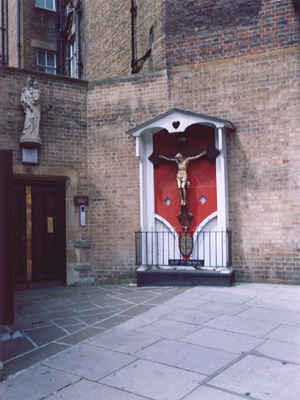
[[44, 7], [46, 67], [73, 58]]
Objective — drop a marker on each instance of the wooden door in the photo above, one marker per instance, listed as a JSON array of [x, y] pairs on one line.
[[39, 232]]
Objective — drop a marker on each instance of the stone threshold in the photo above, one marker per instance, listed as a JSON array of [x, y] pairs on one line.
[[185, 276]]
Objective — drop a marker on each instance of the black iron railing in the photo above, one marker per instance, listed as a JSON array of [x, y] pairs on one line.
[[198, 249]]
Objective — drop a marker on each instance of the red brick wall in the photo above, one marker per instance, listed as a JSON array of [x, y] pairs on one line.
[[198, 31]]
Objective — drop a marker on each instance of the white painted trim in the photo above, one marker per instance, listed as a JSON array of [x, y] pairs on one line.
[[221, 180], [201, 226], [186, 119], [144, 148], [165, 222]]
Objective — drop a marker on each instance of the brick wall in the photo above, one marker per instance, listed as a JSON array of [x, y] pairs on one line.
[[150, 34], [12, 33], [198, 31], [38, 24], [260, 96], [63, 117], [106, 38], [107, 42], [63, 130], [114, 107]]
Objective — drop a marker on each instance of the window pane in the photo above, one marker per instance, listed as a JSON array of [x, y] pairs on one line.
[[40, 3], [49, 4], [41, 57], [51, 59], [40, 69]]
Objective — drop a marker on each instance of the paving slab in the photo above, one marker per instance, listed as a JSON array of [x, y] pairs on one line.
[[187, 356], [159, 311], [276, 316], [12, 348], [275, 304], [112, 321], [65, 322], [285, 352], [138, 322], [223, 340], [35, 383], [48, 316], [86, 390], [89, 362], [241, 325], [74, 328], [25, 360], [257, 290], [83, 307], [290, 293], [154, 381], [123, 341], [70, 315], [95, 318], [261, 378], [207, 393], [186, 302], [156, 343], [227, 308], [197, 291], [227, 297], [168, 329], [80, 336], [194, 317], [285, 333], [45, 335]]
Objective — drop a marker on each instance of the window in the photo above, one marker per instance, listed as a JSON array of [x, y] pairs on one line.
[[48, 4], [73, 58], [46, 62]]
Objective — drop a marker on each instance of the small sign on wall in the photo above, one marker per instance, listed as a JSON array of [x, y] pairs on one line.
[[81, 200]]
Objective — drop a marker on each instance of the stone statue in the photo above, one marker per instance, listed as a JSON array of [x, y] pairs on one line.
[[182, 174], [30, 100]]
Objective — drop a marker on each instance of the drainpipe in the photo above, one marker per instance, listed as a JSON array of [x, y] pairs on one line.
[[59, 41], [18, 34], [136, 65], [133, 16], [7, 56], [79, 64], [2, 34]]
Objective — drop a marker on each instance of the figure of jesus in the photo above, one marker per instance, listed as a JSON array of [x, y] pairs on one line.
[[182, 174]]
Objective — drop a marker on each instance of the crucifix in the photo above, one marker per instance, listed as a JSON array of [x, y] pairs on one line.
[[182, 174], [182, 158]]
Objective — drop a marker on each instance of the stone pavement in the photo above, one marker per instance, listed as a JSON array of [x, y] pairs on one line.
[[202, 343]]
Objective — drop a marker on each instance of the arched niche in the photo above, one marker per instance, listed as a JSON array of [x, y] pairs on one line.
[[172, 122]]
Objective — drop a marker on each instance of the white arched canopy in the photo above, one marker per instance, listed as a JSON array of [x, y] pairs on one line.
[[174, 121]]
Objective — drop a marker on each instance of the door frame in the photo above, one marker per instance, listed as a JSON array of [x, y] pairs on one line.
[[44, 181]]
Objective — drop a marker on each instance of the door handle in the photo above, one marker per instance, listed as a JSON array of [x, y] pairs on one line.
[[50, 224]]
